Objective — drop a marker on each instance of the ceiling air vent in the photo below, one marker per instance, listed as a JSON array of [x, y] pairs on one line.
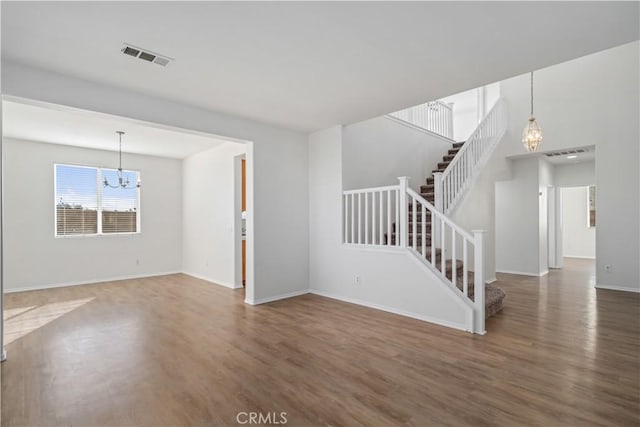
[[146, 55], [564, 153]]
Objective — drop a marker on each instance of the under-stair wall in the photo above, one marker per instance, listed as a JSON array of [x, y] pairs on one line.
[[390, 280]]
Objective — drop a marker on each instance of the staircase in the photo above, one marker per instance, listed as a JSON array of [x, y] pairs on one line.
[[397, 217], [494, 296]]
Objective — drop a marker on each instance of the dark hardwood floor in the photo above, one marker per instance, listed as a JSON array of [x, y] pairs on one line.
[[177, 351]]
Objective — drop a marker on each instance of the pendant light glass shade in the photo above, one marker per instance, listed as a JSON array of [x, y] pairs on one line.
[[532, 134]]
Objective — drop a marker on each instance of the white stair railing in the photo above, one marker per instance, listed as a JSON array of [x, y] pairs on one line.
[[369, 215], [435, 116], [451, 185], [396, 216]]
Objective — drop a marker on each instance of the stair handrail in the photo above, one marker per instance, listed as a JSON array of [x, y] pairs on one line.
[[433, 116], [369, 215], [439, 222], [455, 180]]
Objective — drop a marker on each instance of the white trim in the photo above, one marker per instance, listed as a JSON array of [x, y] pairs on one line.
[[373, 248], [618, 288], [493, 279], [277, 297], [579, 257], [87, 282], [420, 129], [422, 317], [523, 273], [212, 281]]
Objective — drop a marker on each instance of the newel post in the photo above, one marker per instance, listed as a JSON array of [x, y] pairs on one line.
[[478, 281], [404, 185]]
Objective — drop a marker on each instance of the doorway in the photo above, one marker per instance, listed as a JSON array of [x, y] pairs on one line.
[[572, 224]]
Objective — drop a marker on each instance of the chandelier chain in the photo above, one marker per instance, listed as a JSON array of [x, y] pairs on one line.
[[532, 93]]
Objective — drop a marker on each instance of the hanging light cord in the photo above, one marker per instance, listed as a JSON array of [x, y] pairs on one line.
[[532, 93], [123, 181]]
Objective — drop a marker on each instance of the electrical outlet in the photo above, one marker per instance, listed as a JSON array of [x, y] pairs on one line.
[[137, 262], [358, 280]]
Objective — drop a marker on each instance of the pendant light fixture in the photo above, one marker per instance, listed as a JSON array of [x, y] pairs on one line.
[[532, 134], [123, 180]]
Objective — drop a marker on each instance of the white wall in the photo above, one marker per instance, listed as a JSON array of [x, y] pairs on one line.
[[476, 211], [277, 172], [593, 100], [378, 151], [575, 175], [208, 223], [517, 220], [465, 113], [391, 281], [34, 258], [491, 95], [545, 181], [578, 239]]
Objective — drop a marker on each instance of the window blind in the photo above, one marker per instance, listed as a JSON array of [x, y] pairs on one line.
[[76, 200], [119, 206], [85, 207]]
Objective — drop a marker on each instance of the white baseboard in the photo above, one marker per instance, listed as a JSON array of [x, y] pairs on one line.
[[618, 288], [523, 273], [493, 279], [213, 281], [277, 297], [424, 318], [579, 256], [85, 282]]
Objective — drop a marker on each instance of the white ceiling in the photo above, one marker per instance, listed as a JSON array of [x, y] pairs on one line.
[[309, 65], [94, 130]]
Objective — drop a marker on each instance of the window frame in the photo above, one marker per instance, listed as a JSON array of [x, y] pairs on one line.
[[99, 188]]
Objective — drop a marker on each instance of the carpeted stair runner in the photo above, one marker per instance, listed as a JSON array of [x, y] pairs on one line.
[[494, 296]]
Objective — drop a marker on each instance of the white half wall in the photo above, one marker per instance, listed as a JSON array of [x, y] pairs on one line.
[[578, 239], [390, 281], [378, 151], [277, 172], [208, 223], [35, 258]]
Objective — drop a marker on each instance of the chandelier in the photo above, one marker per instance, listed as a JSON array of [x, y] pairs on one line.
[[532, 134], [123, 180]]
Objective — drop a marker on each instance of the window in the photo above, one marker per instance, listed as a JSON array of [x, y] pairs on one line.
[[84, 206]]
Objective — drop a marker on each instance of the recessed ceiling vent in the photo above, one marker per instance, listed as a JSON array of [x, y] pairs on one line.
[[146, 55], [565, 152]]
